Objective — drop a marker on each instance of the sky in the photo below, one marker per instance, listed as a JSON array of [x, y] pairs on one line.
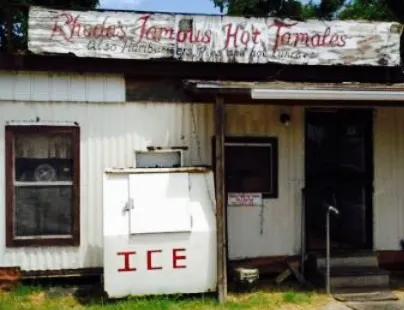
[[175, 6]]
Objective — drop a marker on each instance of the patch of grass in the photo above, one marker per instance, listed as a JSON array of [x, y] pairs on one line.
[[296, 298], [36, 298], [26, 290]]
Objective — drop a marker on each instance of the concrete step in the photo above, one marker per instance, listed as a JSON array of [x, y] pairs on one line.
[[356, 277], [364, 260]]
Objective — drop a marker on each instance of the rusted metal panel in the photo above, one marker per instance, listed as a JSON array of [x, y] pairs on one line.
[[218, 39], [9, 277], [70, 87]]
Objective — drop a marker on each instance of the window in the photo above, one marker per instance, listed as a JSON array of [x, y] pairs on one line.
[[251, 165], [42, 194]]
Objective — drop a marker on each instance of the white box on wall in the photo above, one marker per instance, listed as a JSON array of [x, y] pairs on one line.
[[159, 231], [165, 158]]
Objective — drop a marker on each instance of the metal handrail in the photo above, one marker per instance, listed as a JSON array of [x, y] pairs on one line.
[[303, 233], [330, 208]]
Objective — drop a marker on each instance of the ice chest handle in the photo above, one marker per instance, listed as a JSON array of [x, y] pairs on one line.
[[159, 203]]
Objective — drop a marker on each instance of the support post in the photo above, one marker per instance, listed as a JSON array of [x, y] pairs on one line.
[[220, 200]]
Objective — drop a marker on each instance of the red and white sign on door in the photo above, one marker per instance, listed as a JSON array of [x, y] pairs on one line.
[[244, 199]]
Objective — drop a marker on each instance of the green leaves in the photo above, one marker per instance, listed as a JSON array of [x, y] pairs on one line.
[[375, 10], [19, 18]]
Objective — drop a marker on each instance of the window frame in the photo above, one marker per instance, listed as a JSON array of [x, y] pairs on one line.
[[10, 132], [249, 141]]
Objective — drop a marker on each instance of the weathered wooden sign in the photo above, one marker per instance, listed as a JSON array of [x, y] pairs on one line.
[[225, 39]]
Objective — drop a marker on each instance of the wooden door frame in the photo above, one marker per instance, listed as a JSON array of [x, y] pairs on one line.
[[369, 151]]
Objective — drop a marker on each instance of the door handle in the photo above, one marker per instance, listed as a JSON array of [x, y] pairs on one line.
[[129, 205]]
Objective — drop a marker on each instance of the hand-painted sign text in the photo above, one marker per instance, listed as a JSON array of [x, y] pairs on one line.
[[212, 38]]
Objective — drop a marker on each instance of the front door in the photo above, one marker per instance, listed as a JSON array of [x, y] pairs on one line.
[[339, 172]]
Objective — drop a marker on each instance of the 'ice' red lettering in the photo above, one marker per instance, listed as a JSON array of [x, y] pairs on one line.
[[177, 257], [126, 261], [149, 260]]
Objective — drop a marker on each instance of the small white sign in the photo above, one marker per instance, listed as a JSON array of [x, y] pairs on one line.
[[244, 199]]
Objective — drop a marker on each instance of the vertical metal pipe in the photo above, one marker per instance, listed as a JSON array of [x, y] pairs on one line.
[[328, 252]]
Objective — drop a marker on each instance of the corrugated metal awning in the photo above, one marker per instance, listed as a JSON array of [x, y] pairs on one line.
[[304, 91]]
